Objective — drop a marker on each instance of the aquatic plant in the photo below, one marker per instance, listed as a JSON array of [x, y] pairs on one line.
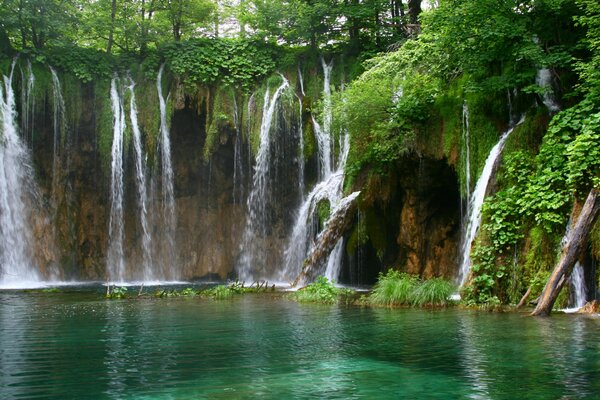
[[116, 293], [393, 288], [321, 291], [433, 292]]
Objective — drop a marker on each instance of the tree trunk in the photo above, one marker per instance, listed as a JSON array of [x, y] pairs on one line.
[[113, 15], [573, 248], [414, 9]]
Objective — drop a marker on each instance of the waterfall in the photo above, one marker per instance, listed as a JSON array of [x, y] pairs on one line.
[[140, 173], [168, 192], [58, 112], [578, 286], [475, 204], [256, 225], [467, 134], [544, 80], [329, 188], [301, 183], [115, 258], [301, 80], [324, 134], [28, 104], [16, 185]]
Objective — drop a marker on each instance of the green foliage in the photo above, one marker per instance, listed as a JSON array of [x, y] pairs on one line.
[[321, 291], [220, 292], [393, 288], [117, 293], [236, 62], [323, 211], [166, 293], [433, 292]]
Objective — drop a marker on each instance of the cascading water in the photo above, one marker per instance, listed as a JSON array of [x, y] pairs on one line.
[[467, 134], [578, 286], [28, 103], [328, 189], [301, 183], [16, 184], [140, 172], [256, 225], [475, 204], [544, 80], [168, 193], [115, 257], [58, 108]]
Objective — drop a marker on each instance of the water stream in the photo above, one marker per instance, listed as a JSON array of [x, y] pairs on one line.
[[140, 173], [544, 80], [58, 125], [258, 199], [115, 257], [169, 222], [16, 189], [329, 188], [476, 202]]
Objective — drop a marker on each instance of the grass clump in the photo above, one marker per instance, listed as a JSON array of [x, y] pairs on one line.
[[393, 288], [433, 292], [396, 288], [321, 291]]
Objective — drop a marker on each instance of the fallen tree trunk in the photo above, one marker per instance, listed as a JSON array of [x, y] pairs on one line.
[[574, 245], [337, 225]]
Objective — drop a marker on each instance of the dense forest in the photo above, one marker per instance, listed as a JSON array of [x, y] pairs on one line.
[[413, 77]]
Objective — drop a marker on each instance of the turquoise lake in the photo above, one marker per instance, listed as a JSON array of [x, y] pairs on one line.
[[77, 345]]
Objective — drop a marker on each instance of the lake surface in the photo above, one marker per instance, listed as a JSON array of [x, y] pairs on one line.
[[79, 345]]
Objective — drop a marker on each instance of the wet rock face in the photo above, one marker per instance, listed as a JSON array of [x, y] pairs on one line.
[[210, 217], [430, 220], [412, 221], [412, 216]]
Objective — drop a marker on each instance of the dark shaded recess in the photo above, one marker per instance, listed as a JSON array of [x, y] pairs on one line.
[[422, 191]]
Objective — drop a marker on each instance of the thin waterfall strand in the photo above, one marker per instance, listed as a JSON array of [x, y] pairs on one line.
[[116, 259], [58, 108], [168, 192], [475, 204], [140, 173]]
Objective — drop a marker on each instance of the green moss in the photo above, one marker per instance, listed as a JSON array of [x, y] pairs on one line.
[[146, 96], [595, 240], [220, 120], [308, 132], [104, 122], [357, 238], [323, 211], [376, 230]]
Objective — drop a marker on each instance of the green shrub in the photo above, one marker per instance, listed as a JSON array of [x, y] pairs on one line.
[[433, 292], [393, 289], [116, 293]]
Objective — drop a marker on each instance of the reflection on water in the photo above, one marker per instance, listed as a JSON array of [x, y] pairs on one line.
[[78, 345]]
